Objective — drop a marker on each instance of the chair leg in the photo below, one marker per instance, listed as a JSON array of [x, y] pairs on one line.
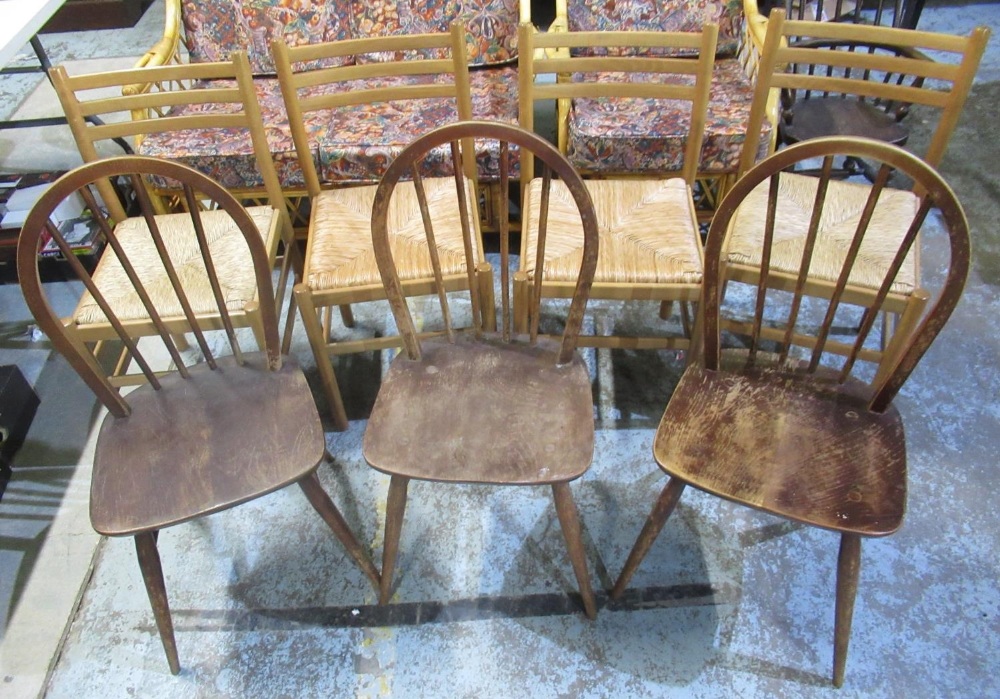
[[395, 507], [654, 523], [522, 302], [347, 315], [310, 321], [570, 521], [848, 568], [487, 300], [666, 309], [152, 576], [322, 503], [286, 337]]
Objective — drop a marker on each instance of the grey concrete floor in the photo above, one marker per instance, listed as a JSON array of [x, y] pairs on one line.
[[729, 602]]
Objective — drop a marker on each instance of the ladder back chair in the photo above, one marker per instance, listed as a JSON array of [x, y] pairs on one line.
[[202, 438], [856, 73], [650, 241], [482, 407], [340, 267], [770, 418], [94, 107]]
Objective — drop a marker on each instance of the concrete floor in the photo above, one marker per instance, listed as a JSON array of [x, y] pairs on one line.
[[728, 603]]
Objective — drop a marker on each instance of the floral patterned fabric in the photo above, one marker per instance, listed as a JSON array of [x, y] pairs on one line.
[[356, 144], [629, 135], [215, 28], [227, 154], [490, 25], [659, 15]]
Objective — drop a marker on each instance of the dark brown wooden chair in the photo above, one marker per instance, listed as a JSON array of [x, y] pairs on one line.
[[859, 79], [205, 437], [776, 422], [483, 407]]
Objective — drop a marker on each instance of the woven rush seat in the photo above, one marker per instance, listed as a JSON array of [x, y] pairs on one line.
[[232, 261], [629, 135], [838, 223], [647, 233], [340, 245]]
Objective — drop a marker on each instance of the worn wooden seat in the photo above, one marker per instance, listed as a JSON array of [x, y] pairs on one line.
[[772, 419], [201, 438], [483, 407]]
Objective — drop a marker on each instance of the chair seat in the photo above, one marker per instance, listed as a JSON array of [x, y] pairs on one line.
[[648, 232], [340, 252], [808, 451], [201, 446], [489, 412], [844, 207], [629, 135], [834, 116], [231, 258]]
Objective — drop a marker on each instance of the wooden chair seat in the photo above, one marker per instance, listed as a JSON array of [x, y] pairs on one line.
[[763, 440], [232, 260], [341, 256], [831, 116], [648, 233], [240, 416], [473, 436], [841, 215]]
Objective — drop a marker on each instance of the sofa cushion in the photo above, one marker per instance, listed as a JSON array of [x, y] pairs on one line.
[[659, 15], [227, 154], [490, 25], [629, 135], [215, 28], [357, 143]]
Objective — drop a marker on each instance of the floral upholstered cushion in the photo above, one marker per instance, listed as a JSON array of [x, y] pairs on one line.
[[227, 155], [215, 28], [659, 15], [490, 25], [616, 135], [357, 143]]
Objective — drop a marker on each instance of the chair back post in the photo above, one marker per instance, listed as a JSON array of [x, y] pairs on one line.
[[529, 144], [932, 191], [38, 223]]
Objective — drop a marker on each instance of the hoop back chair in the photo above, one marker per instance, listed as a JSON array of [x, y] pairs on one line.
[[650, 241], [855, 74], [230, 106], [340, 266], [204, 437], [772, 420], [483, 407]]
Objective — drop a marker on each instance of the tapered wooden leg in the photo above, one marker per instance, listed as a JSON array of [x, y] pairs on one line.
[[666, 309], [317, 341], [152, 576], [522, 302], [286, 337], [487, 299], [347, 315], [322, 503], [394, 509], [654, 523], [848, 568], [570, 521]]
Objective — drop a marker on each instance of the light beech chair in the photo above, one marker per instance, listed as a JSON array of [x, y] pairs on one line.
[[650, 242], [205, 437], [841, 76], [770, 418], [481, 407], [340, 266], [229, 107]]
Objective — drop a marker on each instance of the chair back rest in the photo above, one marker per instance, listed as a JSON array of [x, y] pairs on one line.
[[801, 326], [441, 74], [601, 72], [883, 63], [224, 107], [455, 137], [886, 13], [134, 249]]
